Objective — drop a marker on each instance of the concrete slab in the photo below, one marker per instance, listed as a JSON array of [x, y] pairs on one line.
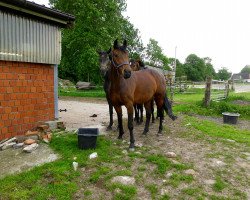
[[15, 160]]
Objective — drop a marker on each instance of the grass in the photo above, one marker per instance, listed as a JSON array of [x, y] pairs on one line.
[[219, 131], [153, 189], [98, 92], [219, 185]]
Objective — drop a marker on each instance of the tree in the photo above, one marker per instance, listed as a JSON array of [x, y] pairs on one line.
[[209, 70], [155, 54], [223, 74], [98, 23], [246, 69], [195, 68]]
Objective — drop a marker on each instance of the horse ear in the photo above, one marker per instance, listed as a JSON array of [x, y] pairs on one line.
[[125, 43], [108, 52], [116, 44]]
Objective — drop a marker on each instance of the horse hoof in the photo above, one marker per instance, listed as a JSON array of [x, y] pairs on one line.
[[109, 128], [173, 117], [119, 138], [131, 149]]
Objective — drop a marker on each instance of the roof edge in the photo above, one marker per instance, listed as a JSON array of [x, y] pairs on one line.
[[31, 8]]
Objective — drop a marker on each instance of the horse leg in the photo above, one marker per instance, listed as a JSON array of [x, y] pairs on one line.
[[136, 113], [131, 127], [118, 110], [148, 115], [110, 114], [152, 110], [160, 111], [141, 109]]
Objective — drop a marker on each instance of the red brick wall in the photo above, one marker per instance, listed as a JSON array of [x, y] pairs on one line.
[[26, 96]]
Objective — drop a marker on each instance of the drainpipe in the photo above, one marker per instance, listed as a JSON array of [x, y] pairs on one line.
[[56, 91]]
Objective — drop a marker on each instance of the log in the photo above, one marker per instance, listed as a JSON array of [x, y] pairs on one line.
[[84, 85]]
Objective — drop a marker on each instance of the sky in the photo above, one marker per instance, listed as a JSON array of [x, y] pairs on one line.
[[219, 29]]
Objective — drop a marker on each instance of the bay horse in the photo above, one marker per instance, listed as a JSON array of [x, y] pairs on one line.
[[137, 65], [104, 62], [139, 87]]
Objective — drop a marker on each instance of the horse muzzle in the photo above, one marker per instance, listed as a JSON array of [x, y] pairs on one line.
[[127, 74]]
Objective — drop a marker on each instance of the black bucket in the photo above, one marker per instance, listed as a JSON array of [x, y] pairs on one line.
[[87, 138], [230, 118]]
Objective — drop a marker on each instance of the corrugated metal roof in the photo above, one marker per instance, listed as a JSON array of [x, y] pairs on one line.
[[29, 40]]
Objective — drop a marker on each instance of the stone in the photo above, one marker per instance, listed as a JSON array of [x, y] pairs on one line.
[[209, 182], [217, 163], [75, 165], [124, 180], [29, 141], [18, 145], [190, 172], [125, 152], [30, 148], [43, 127], [171, 155], [8, 145], [93, 155], [32, 133], [14, 139], [139, 145], [169, 174]]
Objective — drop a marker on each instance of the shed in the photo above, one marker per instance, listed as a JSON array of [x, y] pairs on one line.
[[30, 51]]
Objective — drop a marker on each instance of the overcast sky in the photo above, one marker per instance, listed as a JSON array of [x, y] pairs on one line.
[[219, 29]]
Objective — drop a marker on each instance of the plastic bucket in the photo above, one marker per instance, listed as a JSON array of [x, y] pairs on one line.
[[230, 118], [87, 138]]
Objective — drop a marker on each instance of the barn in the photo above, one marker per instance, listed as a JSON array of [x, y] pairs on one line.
[[30, 51]]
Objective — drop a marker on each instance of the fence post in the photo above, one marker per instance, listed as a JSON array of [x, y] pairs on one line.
[[226, 89], [233, 88], [208, 91]]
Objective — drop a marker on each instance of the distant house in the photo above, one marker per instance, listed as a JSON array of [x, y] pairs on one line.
[[244, 77], [30, 50]]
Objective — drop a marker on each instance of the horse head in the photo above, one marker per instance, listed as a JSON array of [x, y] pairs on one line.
[[120, 60], [104, 61]]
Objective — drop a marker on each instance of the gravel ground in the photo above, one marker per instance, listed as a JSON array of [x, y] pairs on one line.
[[80, 110]]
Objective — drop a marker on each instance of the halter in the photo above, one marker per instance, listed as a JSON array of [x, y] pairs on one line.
[[117, 66]]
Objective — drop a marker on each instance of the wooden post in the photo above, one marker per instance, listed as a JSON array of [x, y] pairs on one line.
[[208, 91], [226, 89], [233, 88]]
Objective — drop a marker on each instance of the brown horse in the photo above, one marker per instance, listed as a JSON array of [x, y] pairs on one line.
[[104, 62], [139, 87], [137, 65]]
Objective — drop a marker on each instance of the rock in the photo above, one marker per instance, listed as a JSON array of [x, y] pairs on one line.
[[125, 152], [84, 85], [190, 172], [18, 145], [217, 163], [209, 182], [75, 165], [139, 145], [93, 155], [164, 191], [169, 174], [29, 141], [32, 133], [8, 141], [171, 155], [43, 128], [30, 148], [125, 180], [175, 162], [8, 145]]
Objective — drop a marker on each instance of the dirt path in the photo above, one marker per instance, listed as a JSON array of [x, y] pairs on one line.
[[80, 110]]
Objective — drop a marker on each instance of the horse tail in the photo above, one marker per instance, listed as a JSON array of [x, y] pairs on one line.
[[168, 108]]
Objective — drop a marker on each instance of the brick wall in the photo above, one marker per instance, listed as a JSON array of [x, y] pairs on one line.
[[26, 96]]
